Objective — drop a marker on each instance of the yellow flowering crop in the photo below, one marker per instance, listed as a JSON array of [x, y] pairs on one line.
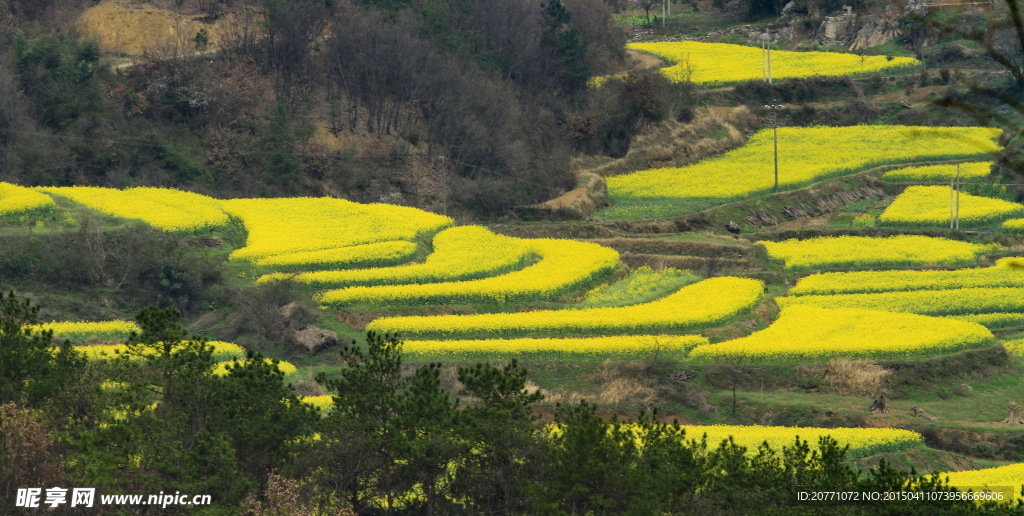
[[285, 367], [1014, 225], [291, 225], [700, 305], [929, 206], [888, 281], [853, 251], [377, 254], [717, 63], [1005, 479], [325, 402], [862, 441], [939, 173], [993, 321], [77, 331], [806, 155], [958, 301], [1015, 347], [460, 253], [16, 200], [162, 208], [564, 265], [809, 332], [221, 350], [638, 346]]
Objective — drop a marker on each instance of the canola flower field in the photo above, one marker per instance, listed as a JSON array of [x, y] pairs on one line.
[[969, 172], [297, 224], [961, 301], [929, 206], [862, 441], [459, 253], [864, 252], [722, 63], [810, 332], [859, 282], [696, 306], [749, 170], [376, 254], [958, 301], [18, 200], [636, 347], [1006, 479], [222, 351], [563, 266], [83, 331], [163, 208], [1014, 226]]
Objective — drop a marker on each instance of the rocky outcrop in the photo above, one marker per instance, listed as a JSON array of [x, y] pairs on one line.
[[315, 339], [591, 195], [859, 32]]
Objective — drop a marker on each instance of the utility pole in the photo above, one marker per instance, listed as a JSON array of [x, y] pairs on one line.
[[954, 200], [957, 196], [774, 107]]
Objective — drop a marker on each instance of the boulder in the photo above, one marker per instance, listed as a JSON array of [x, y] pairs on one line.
[[315, 339]]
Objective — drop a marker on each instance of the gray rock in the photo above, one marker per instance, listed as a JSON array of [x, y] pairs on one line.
[[315, 339]]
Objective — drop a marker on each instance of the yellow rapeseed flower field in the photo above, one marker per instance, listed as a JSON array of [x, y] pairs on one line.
[[717, 63], [626, 346], [994, 321], [564, 266], [221, 350], [324, 402], [16, 200], [806, 155], [939, 173], [78, 331], [1014, 225], [854, 251], [377, 254], [285, 367], [1015, 347], [888, 281], [701, 305], [958, 301], [1004, 479], [809, 332], [862, 441], [929, 206], [460, 253], [163, 208], [296, 224]]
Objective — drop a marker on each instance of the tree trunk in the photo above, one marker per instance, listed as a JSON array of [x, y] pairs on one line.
[[1013, 417], [878, 405]]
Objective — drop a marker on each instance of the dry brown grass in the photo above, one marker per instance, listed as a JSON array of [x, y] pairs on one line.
[[620, 382], [855, 377]]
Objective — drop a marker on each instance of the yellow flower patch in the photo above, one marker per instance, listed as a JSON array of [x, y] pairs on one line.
[[718, 63], [292, 225], [701, 305], [939, 173], [808, 332], [460, 253], [929, 206], [854, 251], [15, 200], [806, 155], [163, 208], [629, 346], [564, 265]]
